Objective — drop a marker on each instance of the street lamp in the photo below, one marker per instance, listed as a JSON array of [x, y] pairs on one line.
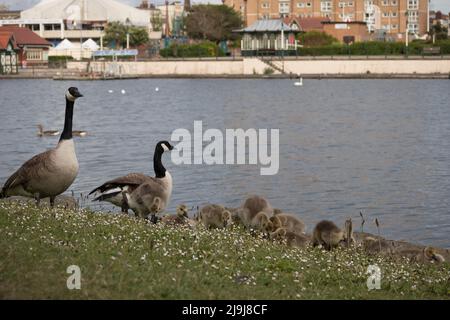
[[127, 25]]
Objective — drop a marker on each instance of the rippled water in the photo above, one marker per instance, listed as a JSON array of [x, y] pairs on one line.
[[381, 146]]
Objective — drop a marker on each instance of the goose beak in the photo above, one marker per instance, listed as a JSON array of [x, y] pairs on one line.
[[77, 93]]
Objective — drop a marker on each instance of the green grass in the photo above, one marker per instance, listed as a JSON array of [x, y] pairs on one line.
[[125, 258]]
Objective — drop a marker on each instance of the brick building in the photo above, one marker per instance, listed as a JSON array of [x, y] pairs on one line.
[[387, 16]]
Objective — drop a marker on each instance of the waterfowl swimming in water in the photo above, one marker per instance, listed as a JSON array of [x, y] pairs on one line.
[[79, 133], [50, 173], [46, 133]]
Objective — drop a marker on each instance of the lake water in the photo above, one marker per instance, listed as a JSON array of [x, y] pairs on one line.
[[380, 146]]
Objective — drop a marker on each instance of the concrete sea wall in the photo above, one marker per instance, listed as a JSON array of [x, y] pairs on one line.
[[254, 66]]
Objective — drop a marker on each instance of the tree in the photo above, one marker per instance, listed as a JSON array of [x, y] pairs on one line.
[[212, 22], [156, 21], [116, 33], [439, 31]]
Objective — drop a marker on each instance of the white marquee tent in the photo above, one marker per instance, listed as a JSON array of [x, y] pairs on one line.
[[65, 45], [90, 45], [87, 10]]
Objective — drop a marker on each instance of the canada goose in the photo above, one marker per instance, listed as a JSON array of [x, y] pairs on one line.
[[327, 234], [292, 239], [79, 133], [181, 217], [262, 222], [289, 221], [251, 207], [50, 173], [214, 216], [42, 133], [139, 192]]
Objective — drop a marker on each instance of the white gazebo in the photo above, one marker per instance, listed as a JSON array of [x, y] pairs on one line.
[[268, 37]]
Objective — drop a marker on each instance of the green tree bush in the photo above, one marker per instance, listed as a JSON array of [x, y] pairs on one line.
[[203, 49]]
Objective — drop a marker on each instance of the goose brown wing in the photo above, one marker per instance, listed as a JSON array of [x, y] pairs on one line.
[[34, 168], [131, 179]]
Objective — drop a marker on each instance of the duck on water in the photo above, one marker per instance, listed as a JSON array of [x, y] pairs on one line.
[[50, 173]]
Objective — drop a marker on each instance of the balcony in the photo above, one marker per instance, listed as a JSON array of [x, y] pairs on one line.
[[70, 34]]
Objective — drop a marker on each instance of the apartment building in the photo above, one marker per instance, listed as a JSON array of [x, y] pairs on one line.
[[389, 16]]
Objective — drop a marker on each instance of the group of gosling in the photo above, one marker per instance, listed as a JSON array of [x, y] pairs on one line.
[[52, 172], [257, 214]]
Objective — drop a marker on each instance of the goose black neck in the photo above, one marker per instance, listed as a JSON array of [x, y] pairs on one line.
[[160, 171], [67, 132]]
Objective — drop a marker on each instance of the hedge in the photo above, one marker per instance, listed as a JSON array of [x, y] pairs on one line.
[[374, 48], [204, 49]]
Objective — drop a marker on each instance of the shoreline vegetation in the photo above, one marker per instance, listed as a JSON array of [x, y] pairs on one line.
[[122, 257]]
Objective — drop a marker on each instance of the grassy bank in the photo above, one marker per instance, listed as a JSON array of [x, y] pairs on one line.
[[122, 257]]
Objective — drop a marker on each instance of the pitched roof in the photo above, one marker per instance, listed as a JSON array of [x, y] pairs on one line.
[[89, 10], [308, 24], [267, 25], [25, 36], [5, 38]]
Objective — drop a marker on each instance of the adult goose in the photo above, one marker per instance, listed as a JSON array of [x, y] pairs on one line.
[[138, 191], [50, 173]]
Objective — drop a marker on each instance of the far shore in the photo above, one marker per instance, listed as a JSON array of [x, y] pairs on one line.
[[248, 68], [368, 76]]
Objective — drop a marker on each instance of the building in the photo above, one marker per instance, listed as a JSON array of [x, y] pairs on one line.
[[33, 50], [440, 18], [77, 20], [268, 37], [391, 17], [8, 53], [347, 32], [9, 14], [306, 24]]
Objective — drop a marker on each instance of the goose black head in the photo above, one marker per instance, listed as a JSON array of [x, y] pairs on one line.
[[73, 94], [163, 146]]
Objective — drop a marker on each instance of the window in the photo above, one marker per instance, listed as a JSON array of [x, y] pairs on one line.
[[34, 55], [342, 4], [413, 27], [284, 7], [394, 2], [300, 5], [394, 14], [394, 26], [346, 17], [308, 5], [325, 6], [350, 4], [265, 5], [385, 14], [385, 3], [413, 16], [413, 4]]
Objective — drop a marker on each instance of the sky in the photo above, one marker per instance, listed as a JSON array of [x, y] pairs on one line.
[[443, 5]]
